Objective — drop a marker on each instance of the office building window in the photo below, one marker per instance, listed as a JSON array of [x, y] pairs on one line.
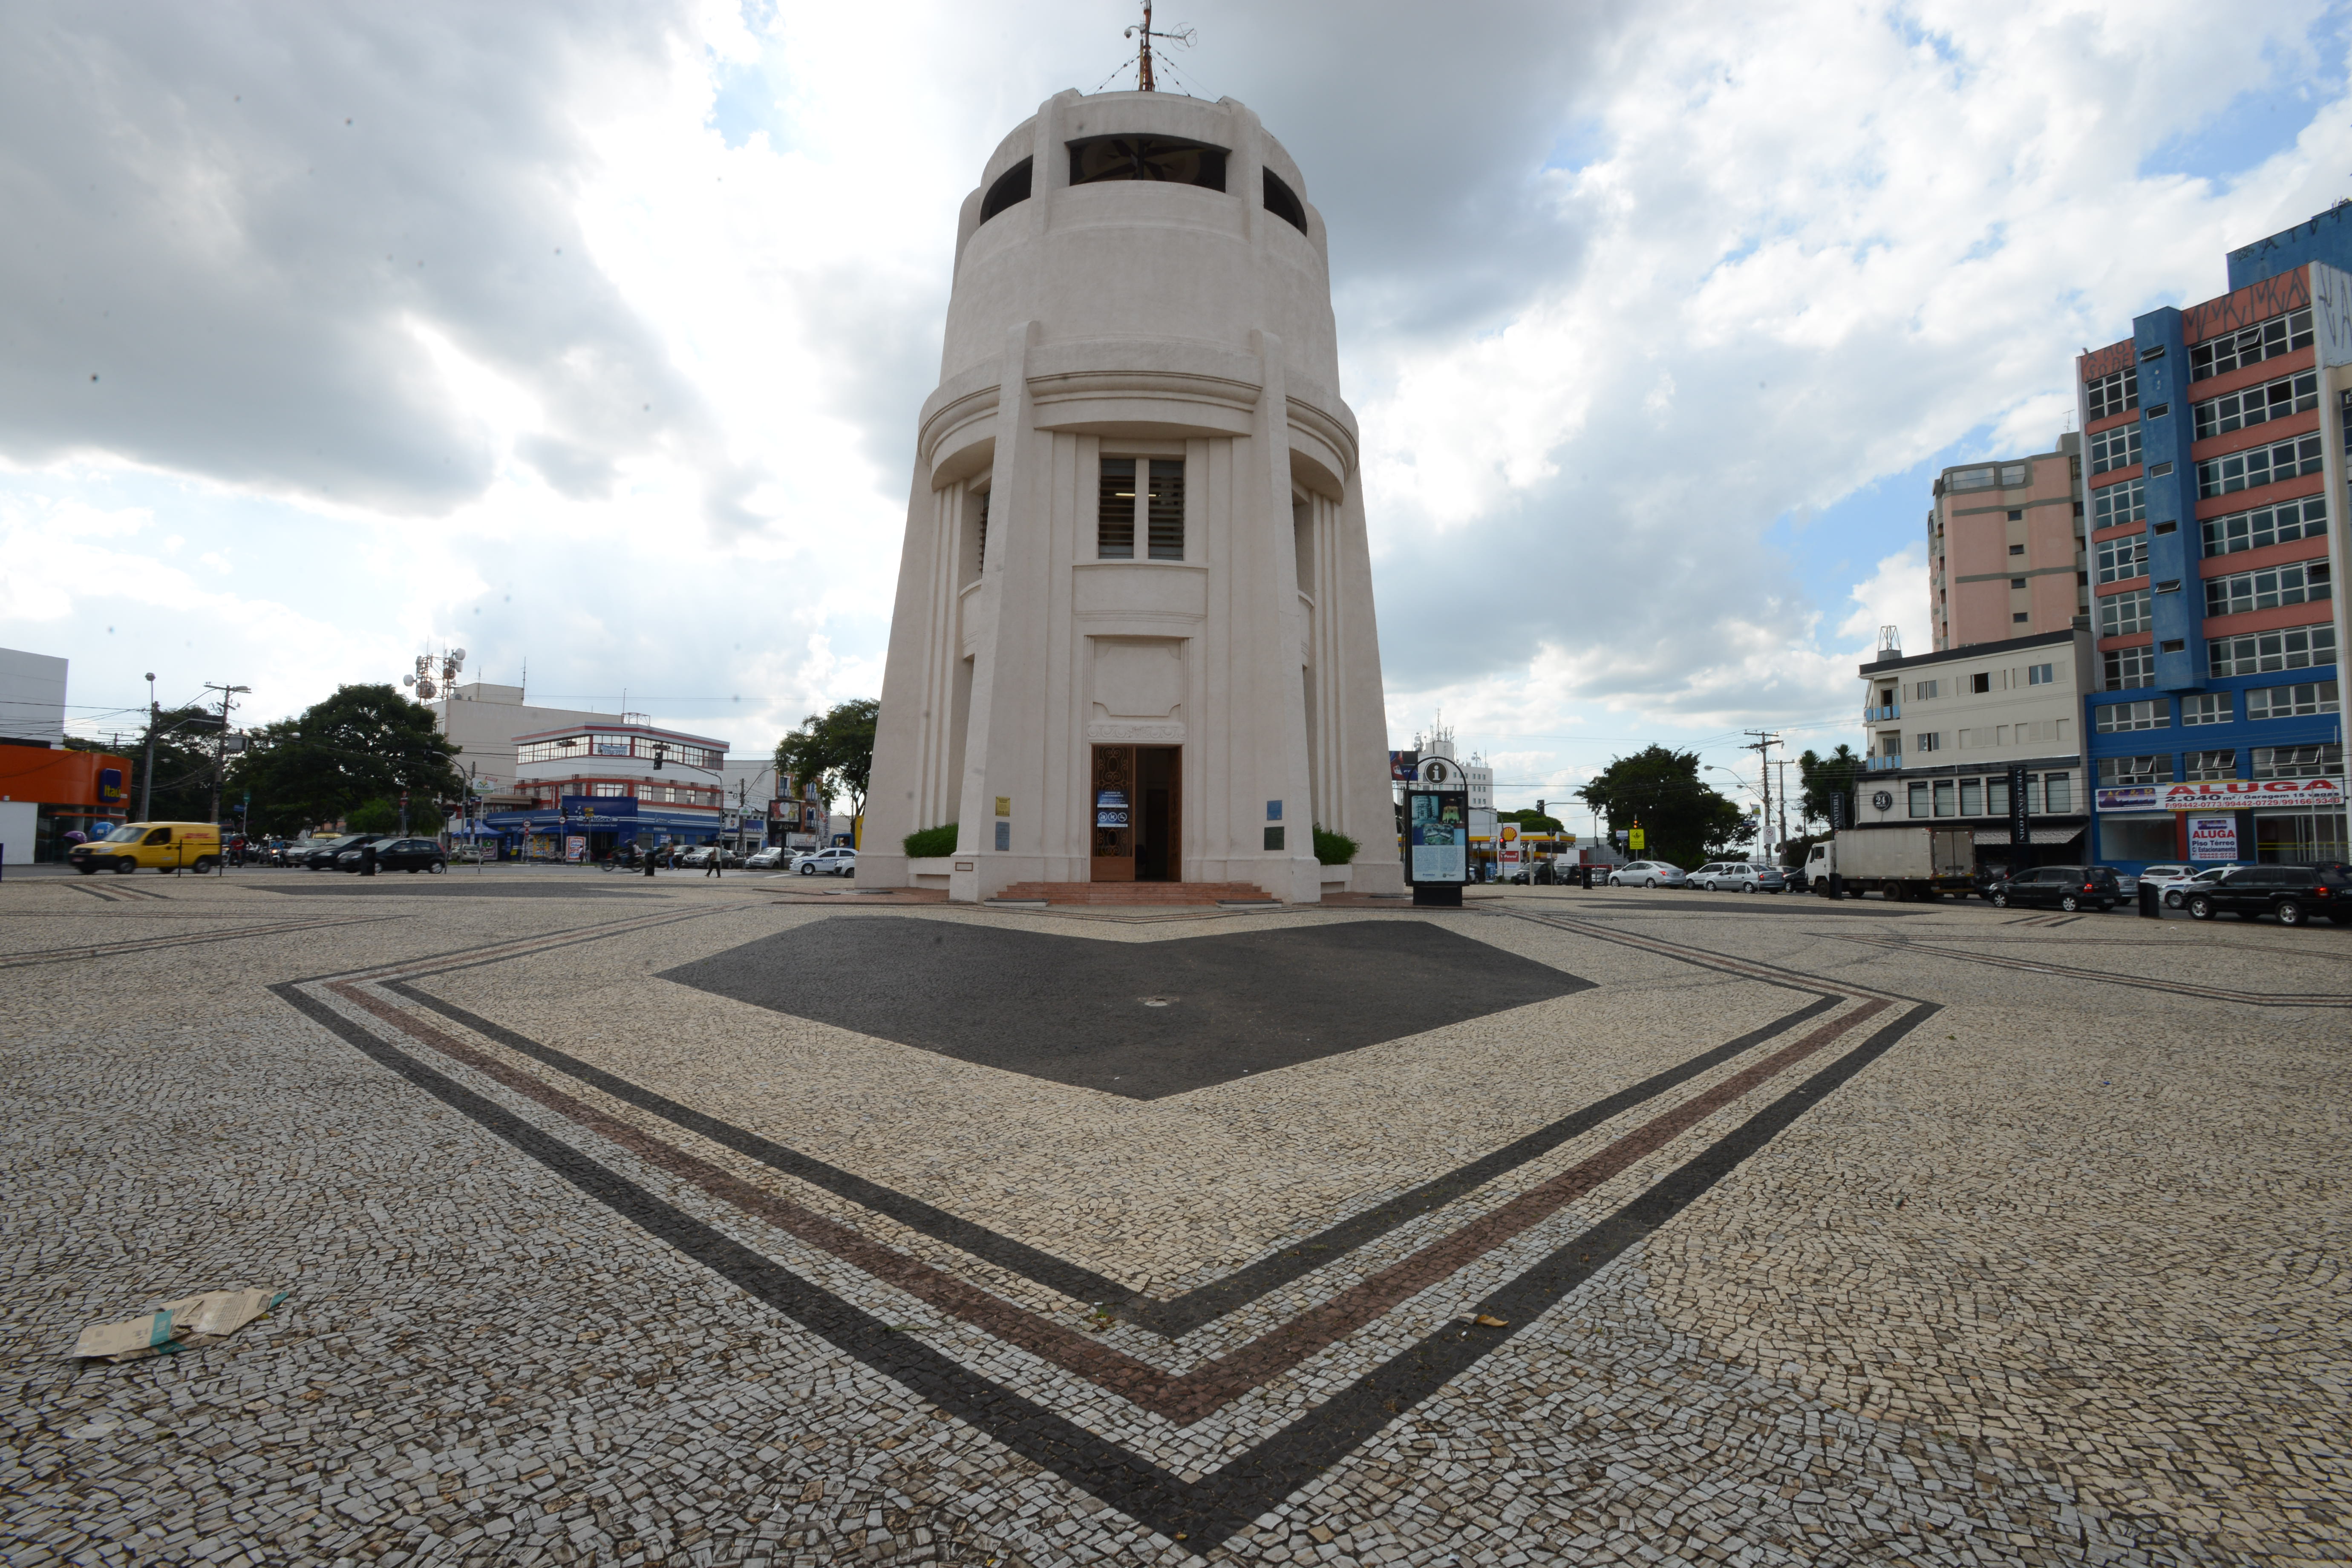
[[1969, 479], [1918, 800], [2011, 475], [2279, 335], [2129, 669], [1926, 741], [2116, 448], [2257, 466], [1165, 505], [2111, 718], [2040, 674], [2057, 793], [2020, 618], [1972, 798], [2112, 394], [2296, 583], [2116, 772], [2206, 708], [2259, 653], [1981, 682], [2120, 614], [2301, 701], [2120, 560], [1923, 689], [1944, 806], [2119, 504], [2199, 767], [1115, 510], [2257, 405], [2289, 519], [609, 791], [2322, 761]]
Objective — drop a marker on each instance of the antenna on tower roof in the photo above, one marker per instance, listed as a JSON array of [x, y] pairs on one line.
[[1144, 51]]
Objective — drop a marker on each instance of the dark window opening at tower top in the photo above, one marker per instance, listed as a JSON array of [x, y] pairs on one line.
[[1011, 189], [1162, 158], [1282, 202]]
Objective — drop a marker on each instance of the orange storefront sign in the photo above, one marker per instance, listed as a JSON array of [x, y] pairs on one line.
[[95, 780]]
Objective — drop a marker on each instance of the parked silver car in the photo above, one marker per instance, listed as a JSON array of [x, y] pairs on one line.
[[768, 859], [2175, 883], [1738, 877], [1649, 874]]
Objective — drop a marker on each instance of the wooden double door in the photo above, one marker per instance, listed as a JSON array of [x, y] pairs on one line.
[[1137, 814]]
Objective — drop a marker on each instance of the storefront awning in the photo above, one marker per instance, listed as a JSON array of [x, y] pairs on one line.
[[2040, 834]]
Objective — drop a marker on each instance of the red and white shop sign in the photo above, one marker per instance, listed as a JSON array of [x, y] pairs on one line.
[[2256, 793]]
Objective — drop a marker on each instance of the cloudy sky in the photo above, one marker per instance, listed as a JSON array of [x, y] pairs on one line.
[[590, 337]]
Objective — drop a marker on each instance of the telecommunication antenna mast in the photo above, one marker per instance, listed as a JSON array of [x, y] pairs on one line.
[[1144, 35]]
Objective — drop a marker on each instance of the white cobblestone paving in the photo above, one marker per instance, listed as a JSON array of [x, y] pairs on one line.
[[1841, 1234]]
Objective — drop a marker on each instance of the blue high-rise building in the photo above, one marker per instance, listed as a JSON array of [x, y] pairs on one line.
[[2214, 472]]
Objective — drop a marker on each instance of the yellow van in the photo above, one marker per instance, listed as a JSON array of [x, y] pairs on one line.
[[165, 846]]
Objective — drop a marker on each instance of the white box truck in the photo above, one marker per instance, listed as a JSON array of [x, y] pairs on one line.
[[1897, 862]]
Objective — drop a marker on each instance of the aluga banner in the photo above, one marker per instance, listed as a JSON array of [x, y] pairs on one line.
[[2227, 795]]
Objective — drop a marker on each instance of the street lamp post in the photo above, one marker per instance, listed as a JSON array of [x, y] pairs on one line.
[[147, 784]]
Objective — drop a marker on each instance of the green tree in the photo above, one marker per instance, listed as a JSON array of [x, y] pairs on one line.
[[183, 764], [1821, 777], [1532, 821], [1658, 789], [833, 751], [366, 744]]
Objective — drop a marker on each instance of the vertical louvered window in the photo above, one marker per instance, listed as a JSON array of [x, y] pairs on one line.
[[1115, 514], [1165, 511]]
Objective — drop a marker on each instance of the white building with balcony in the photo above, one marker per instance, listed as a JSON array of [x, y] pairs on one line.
[[1947, 731]]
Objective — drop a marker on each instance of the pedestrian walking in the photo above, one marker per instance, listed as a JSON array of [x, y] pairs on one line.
[[718, 859]]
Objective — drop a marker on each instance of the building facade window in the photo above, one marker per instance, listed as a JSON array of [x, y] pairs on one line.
[[2201, 766], [2119, 504], [2129, 669], [1926, 741], [1164, 510], [2257, 466], [1970, 480], [2258, 404], [2279, 335], [2040, 674], [609, 791], [2296, 583], [2288, 521], [1923, 689], [2321, 762], [2259, 653], [2305, 700], [2120, 560], [1918, 793], [2206, 708], [1115, 510], [2113, 394], [2116, 448], [2057, 793], [2120, 614], [2114, 718], [2116, 772], [1971, 797]]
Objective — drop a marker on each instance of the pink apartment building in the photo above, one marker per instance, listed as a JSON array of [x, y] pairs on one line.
[[2005, 549]]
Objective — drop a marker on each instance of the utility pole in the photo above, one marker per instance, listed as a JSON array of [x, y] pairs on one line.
[[220, 740], [147, 783], [1765, 739], [1783, 764]]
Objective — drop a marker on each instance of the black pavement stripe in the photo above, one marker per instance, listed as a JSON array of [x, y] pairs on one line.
[[1171, 1319], [1204, 1513], [145, 945], [2105, 977]]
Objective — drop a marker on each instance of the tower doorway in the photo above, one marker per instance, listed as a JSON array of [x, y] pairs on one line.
[[1137, 810]]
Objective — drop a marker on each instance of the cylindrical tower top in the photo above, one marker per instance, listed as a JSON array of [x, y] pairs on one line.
[[1142, 215]]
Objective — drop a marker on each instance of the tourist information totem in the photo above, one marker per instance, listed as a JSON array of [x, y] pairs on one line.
[[1133, 638]]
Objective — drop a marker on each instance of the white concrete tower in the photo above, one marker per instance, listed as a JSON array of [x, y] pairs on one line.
[[1133, 637]]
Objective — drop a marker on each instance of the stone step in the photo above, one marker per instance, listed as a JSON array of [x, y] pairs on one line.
[[1137, 892]]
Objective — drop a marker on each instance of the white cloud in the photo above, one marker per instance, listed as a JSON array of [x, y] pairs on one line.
[[1620, 288]]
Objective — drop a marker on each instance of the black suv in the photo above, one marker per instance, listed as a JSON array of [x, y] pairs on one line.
[[2058, 887], [321, 856], [2293, 893], [398, 855]]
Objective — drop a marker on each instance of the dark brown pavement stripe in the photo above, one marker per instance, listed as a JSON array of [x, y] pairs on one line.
[[1191, 1396], [190, 939], [1207, 1512]]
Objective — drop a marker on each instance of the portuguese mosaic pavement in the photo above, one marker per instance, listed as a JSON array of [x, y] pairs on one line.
[[719, 1224]]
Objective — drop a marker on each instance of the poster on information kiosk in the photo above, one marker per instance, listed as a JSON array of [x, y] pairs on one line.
[[1440, 834]]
